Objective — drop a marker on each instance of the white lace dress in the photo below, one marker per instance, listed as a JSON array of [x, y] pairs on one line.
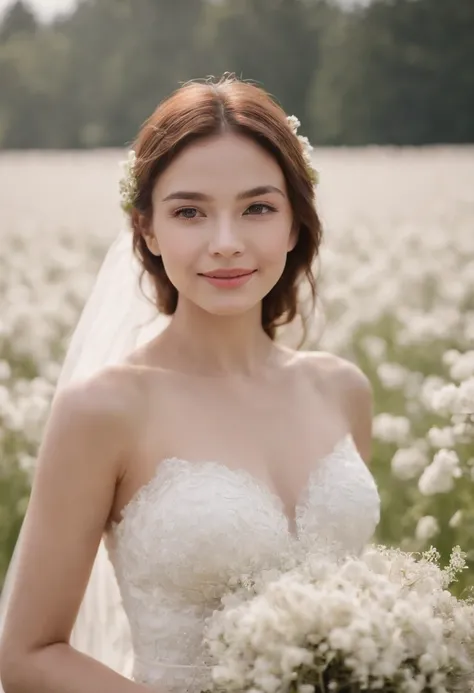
[[195, 525]]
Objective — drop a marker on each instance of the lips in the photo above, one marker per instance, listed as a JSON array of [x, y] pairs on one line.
[[228, 273]]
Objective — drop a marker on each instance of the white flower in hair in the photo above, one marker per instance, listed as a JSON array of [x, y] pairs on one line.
[[128, 184], [294, 123], [306, 148]]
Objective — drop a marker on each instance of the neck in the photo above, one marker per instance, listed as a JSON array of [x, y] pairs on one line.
[[208, 344]]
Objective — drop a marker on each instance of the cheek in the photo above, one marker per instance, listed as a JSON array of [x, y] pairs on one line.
[[178, 264], [177, 249], [274, 246]]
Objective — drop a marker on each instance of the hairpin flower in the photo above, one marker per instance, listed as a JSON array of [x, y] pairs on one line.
[[128, 184], [306, 148]]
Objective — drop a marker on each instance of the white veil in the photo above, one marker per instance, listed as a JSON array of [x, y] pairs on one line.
[[116, 319]]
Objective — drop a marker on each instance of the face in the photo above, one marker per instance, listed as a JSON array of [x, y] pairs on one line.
[[222, 223]]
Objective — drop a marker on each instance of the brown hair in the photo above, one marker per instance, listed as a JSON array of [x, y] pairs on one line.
[[202, 109]]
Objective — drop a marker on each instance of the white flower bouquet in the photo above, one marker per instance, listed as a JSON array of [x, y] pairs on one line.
[[382, 622]]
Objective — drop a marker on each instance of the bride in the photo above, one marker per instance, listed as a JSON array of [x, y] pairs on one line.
[[185, 445]]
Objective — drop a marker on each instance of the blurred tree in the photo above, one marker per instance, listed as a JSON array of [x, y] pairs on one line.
[[158, 55], [397, 72], [449, 42], [18, 19], [32, 75], [272, 42], [136, 53], [394, 72]]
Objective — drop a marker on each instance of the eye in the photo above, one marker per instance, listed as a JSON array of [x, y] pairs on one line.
[[186, 213], [259, 208]]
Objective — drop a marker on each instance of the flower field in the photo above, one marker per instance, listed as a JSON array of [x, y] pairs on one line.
[[396, 287]]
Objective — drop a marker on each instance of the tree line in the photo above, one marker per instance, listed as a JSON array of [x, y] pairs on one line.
[[395, 72]]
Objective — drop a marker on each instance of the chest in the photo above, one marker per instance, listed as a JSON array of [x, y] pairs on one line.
[[273, 430], [195, 525]]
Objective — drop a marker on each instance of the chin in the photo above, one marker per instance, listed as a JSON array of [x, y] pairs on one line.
[[228, 310], [236, 305]]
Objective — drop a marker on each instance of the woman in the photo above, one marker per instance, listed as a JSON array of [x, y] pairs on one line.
[[209, 450]]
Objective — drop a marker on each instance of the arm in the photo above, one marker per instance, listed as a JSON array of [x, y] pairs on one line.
[[350, 391], [87, 438], [357, 402]]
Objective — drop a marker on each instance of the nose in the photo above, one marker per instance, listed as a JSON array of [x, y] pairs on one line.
[[225, 240]]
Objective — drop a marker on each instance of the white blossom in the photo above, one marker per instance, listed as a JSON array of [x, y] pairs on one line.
[[461, 365], [306, 148], [445, 400], [386, 614], [5, 370], [392, 375], [427, 528], [408, 463], [466, 396], [450, 357], [441, 437], [439, 476], [456, 519], [430, 386], [375, 347], [391, 429], [128, 184]]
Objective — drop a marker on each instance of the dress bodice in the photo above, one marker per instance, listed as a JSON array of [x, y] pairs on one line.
[[195, 526]]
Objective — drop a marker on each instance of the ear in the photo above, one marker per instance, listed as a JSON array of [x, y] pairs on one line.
[[144, 226], [293, 238]]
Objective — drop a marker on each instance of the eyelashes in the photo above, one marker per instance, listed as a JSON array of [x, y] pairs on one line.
[[182, 213], [261, 205], [259, 209]]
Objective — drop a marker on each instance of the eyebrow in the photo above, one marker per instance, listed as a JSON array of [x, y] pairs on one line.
[[246, 194]]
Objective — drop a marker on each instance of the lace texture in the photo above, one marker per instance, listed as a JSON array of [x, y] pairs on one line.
[[195, 526]]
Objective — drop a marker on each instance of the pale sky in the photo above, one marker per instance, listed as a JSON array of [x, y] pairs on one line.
[[44, 9]]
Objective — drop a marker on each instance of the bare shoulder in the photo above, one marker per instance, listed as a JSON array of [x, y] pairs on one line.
[[111, 396], [109, 392], [351, 389], [341, 372], [94, 429]]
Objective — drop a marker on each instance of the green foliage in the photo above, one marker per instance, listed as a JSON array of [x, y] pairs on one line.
[[395, 71], [399, 72]]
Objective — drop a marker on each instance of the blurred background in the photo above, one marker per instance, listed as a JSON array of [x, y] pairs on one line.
[[85, 74], [385, 92]]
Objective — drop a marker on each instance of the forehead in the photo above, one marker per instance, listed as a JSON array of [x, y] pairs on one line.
[[221, 162]]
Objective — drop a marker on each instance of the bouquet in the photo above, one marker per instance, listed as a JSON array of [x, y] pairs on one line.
[[384, 621]]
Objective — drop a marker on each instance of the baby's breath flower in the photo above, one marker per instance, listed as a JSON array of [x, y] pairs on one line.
[[441, 437], [426, 528], [461, 365], [408, 463], [456, 519], [457, 563], [5, 370], [294, 123], [377, 622], [439, 476], [392, 375], [391, 429], [445, 400], [306, 148], [128, 184]]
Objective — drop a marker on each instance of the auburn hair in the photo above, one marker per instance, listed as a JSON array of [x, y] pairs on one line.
[[203, 109]]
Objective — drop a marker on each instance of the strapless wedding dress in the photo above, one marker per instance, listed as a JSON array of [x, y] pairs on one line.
[[195, 526]]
